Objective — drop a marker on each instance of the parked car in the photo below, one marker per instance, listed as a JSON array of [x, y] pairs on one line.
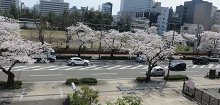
[[140, 59], [157, 71], [78, 61], [200, 61], [177, 66]]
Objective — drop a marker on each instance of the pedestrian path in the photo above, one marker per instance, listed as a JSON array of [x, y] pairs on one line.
[[98, 67]]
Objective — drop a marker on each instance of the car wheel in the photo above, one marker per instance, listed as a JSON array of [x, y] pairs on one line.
[[86, 64], [72, 64]]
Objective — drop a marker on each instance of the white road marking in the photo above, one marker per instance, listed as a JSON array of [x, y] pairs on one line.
[[103, 73], [58, 68], [114, 67], [71, 68], [46, 75], [137, 66], [27, 68], [146, 67], [210, 66], [41, 68], [125, 67], [101, 67], [194, 66], [202, 66], [217, 66], [87, 67], [19, 66]]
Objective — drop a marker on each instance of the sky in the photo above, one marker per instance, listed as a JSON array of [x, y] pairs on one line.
[[116, 3]]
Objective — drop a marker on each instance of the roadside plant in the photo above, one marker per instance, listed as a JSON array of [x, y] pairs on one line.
[[126, 100]]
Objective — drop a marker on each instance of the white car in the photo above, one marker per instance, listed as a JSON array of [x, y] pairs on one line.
[[157, 71], [78, 61]]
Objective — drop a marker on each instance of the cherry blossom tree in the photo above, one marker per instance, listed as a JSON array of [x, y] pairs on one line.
[[153, 46], [14, 49], [210, 42], [84, 36], [114, 41]]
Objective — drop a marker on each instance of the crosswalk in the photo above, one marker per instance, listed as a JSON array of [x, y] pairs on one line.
[[98, 67]]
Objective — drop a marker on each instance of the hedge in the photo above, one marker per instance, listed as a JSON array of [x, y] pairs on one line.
[[87, 81], [176, 77], [117, 58], [68, 57], [141, 79], [17, 85]]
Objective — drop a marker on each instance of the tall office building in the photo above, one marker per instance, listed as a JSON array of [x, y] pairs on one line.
[[196, 12], [107, 7], [136, 7], [56, 6], [5, 5]]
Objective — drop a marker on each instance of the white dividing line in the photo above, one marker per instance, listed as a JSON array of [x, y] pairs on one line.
[[217, 66], [58, 68], [103, 73], [19, 66], [114, 67], [194, 66], [61, 92], [125, 67], [210, 66], [101, 67], [202, 66], [87, 67], [46, 75], [137, 66]]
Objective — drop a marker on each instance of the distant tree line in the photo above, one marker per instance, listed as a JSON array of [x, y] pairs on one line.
[[94, 18]]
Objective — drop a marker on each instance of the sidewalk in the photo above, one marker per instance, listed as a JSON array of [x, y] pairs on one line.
[[110, 90]]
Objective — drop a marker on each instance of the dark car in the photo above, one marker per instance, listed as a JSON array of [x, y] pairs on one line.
[[200, 61], [177, 66]]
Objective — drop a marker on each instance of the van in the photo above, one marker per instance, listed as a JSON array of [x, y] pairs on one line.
[[177, 66], [200, 61]]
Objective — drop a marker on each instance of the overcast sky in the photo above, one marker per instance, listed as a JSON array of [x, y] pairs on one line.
[[116, 3]]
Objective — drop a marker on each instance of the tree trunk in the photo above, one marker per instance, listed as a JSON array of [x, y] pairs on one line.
[[209, 53], [111, 56], [10, 81], [149, 72]]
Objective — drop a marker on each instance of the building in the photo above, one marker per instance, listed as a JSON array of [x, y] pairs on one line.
[[56, 6], [196, 12], [136, 7], [107, 7], [5, 5], [140, 23]]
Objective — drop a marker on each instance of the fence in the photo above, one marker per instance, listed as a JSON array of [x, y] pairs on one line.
[[200, 96]]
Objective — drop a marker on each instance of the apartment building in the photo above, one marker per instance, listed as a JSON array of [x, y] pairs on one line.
[[56, 6], [5, 5]]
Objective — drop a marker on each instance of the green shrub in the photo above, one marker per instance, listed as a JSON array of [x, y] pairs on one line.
[[89, 81], [70, 80], [117, 58], [141, 79], [17, 85], [2, 83], [176, 77], [69, 56]]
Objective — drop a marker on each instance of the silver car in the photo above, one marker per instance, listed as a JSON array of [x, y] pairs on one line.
[[157, 71], [78, 61]]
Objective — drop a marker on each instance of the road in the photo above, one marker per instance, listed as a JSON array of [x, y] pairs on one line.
[[60, 71]]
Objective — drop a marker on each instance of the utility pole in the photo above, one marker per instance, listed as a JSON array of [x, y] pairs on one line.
[[168, 73]]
